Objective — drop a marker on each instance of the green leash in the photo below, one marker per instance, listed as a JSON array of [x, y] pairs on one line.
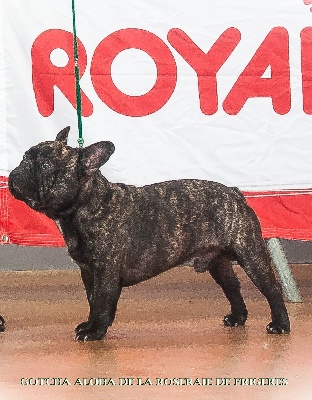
[[77, 76]]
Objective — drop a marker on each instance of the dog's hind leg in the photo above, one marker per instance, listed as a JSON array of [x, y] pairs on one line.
[[256, 262], [222, 272]]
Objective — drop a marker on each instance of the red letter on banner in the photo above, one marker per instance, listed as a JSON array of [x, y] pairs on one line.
[[104, 55], [206, 65], [274, 52], [306, 68], [45, 75]]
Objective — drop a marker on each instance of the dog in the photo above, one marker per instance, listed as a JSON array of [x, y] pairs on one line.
[[120, 235]]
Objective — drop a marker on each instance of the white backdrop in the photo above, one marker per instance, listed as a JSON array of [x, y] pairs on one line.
[[257, 149]]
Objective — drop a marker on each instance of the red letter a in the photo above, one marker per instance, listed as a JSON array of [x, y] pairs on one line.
[[306, 66], [274, 52]]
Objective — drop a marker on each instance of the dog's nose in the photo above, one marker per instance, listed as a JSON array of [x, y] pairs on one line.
[[12, 187], [10, 183]]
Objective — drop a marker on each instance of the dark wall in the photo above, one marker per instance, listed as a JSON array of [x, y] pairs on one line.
[[298, 252]]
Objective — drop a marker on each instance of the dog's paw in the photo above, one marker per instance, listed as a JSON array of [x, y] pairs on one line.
[[2, 324], [278, 329], [234, 320], [88, 336], [87, 333], [82, 326]]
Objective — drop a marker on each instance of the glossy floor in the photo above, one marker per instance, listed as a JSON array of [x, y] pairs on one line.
[[167, 342]]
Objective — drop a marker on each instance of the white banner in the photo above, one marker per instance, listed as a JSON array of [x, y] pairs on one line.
[[211, 90]]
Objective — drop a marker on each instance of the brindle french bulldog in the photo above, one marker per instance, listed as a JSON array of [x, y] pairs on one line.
[[121, 235]]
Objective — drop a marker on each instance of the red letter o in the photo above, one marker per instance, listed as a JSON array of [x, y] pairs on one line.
[[104, 55]]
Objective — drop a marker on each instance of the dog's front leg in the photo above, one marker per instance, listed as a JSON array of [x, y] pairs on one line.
[[103, 296], [88, 281]]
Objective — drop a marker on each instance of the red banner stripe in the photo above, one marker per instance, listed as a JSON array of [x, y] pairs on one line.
[[282, 214]]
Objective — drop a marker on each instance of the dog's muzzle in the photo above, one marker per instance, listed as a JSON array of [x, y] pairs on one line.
[[17, 187], [12, 187]]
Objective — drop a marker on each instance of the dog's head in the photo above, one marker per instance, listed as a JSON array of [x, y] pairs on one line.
[[52, 175]]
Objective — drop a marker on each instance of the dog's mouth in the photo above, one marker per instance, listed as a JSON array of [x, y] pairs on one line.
[[19, 194]]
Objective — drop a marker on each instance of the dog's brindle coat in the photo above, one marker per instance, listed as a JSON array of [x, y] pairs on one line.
[[120, 235]]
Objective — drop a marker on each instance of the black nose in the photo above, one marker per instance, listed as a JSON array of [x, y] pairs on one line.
[[10, 183], [12, 187]]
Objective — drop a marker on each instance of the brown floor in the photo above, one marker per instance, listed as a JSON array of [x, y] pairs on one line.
[[170, 327]]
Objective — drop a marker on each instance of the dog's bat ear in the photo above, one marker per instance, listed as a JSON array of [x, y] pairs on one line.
[[97, 154], [62, 136]]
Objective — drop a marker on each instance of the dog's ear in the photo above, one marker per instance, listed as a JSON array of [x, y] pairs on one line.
[[97, 154], [62, 136]]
